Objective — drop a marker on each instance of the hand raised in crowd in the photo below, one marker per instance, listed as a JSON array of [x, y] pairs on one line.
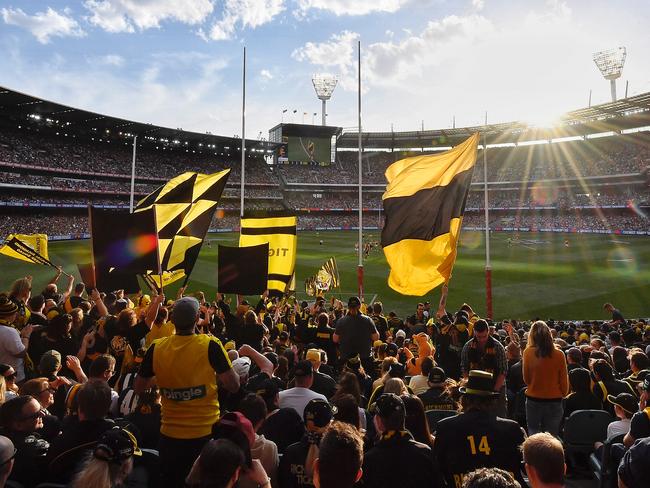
[[73, 363], [95, 295], [181, 291]]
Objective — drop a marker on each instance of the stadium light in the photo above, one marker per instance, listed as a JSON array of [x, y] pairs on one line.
[[610, 63], [324, 86]]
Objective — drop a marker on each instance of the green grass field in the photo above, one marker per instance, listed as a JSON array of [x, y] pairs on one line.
[[538, 276]]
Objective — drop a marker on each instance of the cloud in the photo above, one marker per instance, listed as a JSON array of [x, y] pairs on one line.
[[338, 52], [265, 74], [478, 4], [111, 60], [244, 13], [349, 7], [129, 15], [44, 25]]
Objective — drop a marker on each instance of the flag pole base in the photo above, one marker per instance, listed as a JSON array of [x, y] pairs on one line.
[[488, 291], [360, 280]]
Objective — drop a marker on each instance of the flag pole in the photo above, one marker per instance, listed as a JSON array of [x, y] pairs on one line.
[[243, 137], [135, 138], [360, 266], [488, 265]]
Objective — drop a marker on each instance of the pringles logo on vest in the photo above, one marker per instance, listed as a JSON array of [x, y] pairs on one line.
[[184, 394]]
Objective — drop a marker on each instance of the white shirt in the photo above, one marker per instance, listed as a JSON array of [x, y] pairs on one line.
[[10, 345], [419, 384], [298, 398], [618, 427]]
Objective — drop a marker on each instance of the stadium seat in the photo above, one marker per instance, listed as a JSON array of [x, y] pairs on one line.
[[435, 416], [583, 429], [601, 463]]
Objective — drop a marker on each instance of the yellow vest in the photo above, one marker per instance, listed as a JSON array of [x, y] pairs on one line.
[[188, 385], [158, 332]]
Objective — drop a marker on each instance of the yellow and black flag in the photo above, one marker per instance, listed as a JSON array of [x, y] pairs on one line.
[[184, 208], [279, 230], [424, 204], [27, 247]]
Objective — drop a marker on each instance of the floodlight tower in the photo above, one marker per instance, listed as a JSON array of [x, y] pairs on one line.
[[610, 63], [324, 86]]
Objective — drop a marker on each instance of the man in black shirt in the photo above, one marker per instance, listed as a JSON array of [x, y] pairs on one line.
[[617, 316], [381, 323], [436, 397], [640, 423], [383, 465], [477, 437], [355, 334]]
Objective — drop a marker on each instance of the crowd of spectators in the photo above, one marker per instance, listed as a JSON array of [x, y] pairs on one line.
[[37, 149], [566, 160], [102, 389]]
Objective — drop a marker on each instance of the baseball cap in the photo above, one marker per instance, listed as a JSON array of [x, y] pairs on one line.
[[392, 349], [387, 404], [7, 450], [242, 366], [624, 400], [230, 345], [319, 412], [437, 375], [238, 429], [116, 445], [303, 368], [354, 362], [185, 312], [400, 333], [50, 362], [121, 304], [313, 355], [241, 423], [354, 302]]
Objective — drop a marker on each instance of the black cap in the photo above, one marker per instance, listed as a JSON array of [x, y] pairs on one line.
[[437, 375], [479, 383], [396, 370], [320, 412], [354, 302], [303, 368], [268, 389], [388, 404], [626, 401], [392, 349], [116, 445]]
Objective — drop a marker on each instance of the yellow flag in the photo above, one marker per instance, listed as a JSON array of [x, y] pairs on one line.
[[424, 204], [27, 247]]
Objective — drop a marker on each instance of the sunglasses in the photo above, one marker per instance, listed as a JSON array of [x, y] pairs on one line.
[[51, 390], [33, 416]]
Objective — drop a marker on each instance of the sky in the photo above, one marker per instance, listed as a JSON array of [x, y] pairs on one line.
[[424, 63]]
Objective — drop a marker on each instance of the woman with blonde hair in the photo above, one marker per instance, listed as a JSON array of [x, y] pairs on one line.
[[396, 386], [20, 292], [111, 461], [545, 373]]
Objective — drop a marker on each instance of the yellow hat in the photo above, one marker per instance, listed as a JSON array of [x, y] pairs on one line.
[[145, 300], [313, 355], [229, 346], [564, 335], [52, 313], [583, 337], [377, 343]]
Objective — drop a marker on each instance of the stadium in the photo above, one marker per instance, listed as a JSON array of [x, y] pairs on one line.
[[528, 367], [564, 201]]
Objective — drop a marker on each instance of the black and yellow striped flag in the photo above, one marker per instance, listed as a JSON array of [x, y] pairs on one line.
[[424, 204], [184, 207], [279, 230]]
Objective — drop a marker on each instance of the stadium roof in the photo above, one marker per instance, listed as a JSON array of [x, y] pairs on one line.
[[24, 107], [616, 116]]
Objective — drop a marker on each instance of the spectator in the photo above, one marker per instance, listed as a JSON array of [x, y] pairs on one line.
[[640, 422], [80, 432], [625, 406], [355, 334], [111, 461], [297, 463], [581, 397], [633, 471], [13, 344], [184, 365], [397, 447], [483, 352], [300, 395], [43, 393], [545, 373], [284, 426], [323, 383], [416, 420], [606, 384], [9, 374], [544, 461], [7, 454], [21, 419], [146, 417], [437, 396], [489, 478], [477, 437], [254, 409], [340, 458]]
